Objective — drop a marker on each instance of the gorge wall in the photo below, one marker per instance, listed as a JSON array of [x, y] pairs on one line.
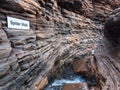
[[60, 31]]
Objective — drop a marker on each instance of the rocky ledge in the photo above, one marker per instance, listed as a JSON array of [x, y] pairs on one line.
[[60, 31]]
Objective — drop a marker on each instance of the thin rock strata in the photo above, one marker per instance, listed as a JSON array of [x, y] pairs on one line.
[[106, 62], [58, 33]]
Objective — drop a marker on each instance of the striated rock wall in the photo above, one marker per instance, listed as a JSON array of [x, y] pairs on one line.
[[60, 30], [107, 55]]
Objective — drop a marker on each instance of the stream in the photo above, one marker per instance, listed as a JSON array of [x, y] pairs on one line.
[[58, 84], [67, 77]]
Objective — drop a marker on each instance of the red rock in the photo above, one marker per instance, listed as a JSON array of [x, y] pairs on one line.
[[31, 54], [80, 66], [78, 86]]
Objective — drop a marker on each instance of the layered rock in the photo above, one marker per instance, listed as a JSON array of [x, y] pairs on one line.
[[58, 33], [107, 55], [105, 65]]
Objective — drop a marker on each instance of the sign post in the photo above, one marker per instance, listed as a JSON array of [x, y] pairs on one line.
[[16, 23]]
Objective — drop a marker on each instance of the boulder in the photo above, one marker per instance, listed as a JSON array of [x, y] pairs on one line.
[[77, 86]]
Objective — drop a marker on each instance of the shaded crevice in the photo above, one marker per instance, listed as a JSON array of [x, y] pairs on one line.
[[67, 75], [74, 5]]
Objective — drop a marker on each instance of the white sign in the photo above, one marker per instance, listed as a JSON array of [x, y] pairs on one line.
[[17, 23]]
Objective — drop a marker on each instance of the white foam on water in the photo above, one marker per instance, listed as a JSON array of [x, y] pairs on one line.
[[66, 81]]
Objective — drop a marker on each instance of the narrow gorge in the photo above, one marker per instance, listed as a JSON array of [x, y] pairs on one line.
[[44, 42]]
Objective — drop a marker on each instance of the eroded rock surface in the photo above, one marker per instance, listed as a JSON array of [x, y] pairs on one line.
[[60, 30], [82, 86], [107, 55]]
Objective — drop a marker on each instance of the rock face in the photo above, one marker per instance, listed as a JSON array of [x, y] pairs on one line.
[[81, 86], [60, 30], [107, 55]]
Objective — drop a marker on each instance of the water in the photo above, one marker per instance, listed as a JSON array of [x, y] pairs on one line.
[[67, 77], [58, 84], [61, 82]]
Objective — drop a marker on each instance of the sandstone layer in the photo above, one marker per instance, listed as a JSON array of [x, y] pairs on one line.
[[107, 55], [60, 31]]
